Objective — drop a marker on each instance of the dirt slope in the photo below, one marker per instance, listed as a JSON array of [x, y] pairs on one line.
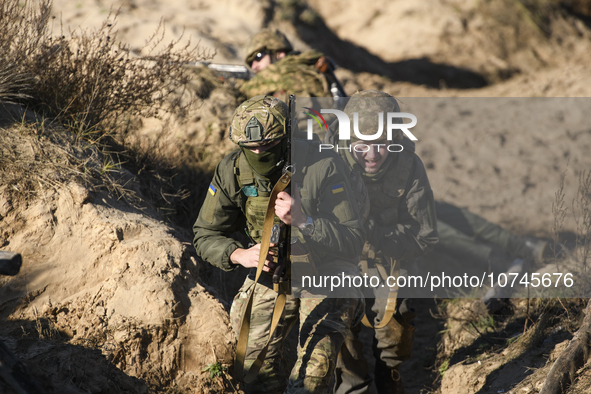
[[98, 274], [106, 285]]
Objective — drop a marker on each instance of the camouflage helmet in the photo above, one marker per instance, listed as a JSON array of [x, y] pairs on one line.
[[259, 121], [368, 103], [267, 40]]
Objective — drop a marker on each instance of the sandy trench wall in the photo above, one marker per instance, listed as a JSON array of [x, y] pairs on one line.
[[104, 275]]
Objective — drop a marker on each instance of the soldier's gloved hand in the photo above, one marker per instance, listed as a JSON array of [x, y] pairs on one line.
[[249, 258], [372, 232]]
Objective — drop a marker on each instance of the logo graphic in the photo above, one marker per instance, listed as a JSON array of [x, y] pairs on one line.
[[316, 119], [393, 122]]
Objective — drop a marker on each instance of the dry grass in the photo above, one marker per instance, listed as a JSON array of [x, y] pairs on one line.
[[22, 29], [87, 80], [89, 83], [34, 158], [581, 207]]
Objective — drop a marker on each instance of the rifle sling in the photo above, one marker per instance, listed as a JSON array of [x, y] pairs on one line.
[[392, 297], [241, 346]]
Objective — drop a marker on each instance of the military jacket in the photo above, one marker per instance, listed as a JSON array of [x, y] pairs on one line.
[[402, 222], [294, 74], [326, 196]]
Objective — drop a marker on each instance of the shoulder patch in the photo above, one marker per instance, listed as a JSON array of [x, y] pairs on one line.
[[212, 190], [337, 188]]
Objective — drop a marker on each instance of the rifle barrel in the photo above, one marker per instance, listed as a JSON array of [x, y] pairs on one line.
[[228, 70]]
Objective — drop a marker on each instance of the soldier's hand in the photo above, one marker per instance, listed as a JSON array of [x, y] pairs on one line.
[[288, 209], [249, 258]]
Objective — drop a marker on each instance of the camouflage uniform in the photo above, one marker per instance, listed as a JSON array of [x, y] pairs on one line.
[[294, 74], [401, 226], [232, 205], [473, 240]]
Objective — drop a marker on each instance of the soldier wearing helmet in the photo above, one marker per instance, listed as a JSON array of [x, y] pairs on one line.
[[266, 47], [327, 221], [281, 71], [400, 226], [463, 235]]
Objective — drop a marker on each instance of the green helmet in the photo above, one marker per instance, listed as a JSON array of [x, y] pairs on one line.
[[259, 121], [368, 103], [267, 40]]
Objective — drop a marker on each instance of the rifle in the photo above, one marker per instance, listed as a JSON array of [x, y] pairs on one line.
[[324, 64], [281, 233], [227, 70], [10, 263], [280, 237], [327, 66]]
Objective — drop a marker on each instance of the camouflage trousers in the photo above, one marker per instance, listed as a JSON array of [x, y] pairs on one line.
[[469, 237], [392, 344], [323, 325]]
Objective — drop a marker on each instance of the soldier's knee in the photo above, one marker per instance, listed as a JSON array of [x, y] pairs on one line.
[[319, 370]]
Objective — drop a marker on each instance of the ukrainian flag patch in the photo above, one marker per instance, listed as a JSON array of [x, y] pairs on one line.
[[337, 188], [212, 190]]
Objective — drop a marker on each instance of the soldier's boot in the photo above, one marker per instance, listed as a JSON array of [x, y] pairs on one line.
[[497, 297], [392, 346], [387, 380], [532, 249]]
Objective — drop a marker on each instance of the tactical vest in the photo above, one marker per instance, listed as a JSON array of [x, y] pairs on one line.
[[386, 194], [385, 197], [257, 191]]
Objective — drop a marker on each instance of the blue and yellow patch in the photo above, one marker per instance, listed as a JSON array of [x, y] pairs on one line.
[[212, 190], [337, 188]]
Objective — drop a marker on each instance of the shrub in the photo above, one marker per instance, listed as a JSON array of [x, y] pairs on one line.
[[87, 80]]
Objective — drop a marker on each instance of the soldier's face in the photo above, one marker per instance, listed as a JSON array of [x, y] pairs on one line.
[[260, 62], [263, 59], [370, 156], [259, 149]]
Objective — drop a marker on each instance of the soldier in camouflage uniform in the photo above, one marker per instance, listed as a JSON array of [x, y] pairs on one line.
[[471, 238], [281, 71], [401, 226], [236, 201], [481, 246], [462, 234]]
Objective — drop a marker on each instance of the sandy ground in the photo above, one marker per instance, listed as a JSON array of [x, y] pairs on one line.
[[100, 275]]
